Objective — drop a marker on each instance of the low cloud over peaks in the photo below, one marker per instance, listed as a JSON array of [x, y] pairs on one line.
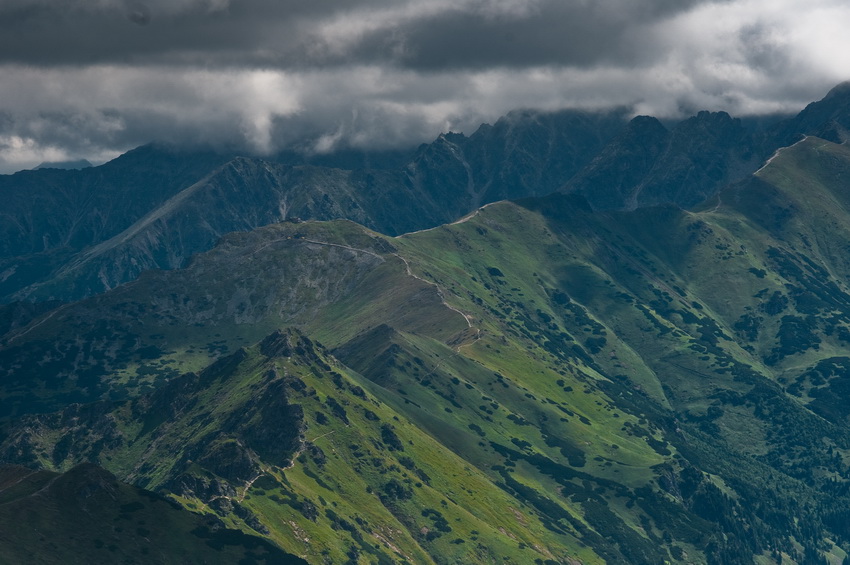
[[96, 77]]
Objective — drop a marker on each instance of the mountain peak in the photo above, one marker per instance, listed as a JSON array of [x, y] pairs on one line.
[[831, 113], [711, 119], [67, 165], [646, 124], [840, 90]]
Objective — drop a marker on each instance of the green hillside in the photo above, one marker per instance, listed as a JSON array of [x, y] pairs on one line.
[[537, 382], [86, 516], [280, 439]]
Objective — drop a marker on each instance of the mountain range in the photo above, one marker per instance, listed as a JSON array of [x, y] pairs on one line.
[[566, 338], [68, 234]]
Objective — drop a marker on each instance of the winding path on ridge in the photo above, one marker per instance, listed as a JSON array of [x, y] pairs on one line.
[[410, 273]]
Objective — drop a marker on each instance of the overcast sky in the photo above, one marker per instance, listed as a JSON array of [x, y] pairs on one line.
[[93, 78]]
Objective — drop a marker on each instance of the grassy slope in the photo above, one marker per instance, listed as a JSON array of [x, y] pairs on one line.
[[616, 378], [362, 478]]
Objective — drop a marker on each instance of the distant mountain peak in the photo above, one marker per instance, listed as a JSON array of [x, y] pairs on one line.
[[840, 90], [719, 118], [645, 123], [67, 165]]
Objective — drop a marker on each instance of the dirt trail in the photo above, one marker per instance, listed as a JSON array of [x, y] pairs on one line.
[[777, 152]]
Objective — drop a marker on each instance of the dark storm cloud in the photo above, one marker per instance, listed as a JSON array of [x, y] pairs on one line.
[[139, 13], [281, 33], [208, 32], [550, 32]]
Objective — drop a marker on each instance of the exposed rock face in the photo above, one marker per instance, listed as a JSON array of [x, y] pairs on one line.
[[274, 427], [229, 460], [623, 165], [647, 165], [205, 488]]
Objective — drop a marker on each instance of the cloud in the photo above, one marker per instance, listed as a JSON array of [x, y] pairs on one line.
[[89, 78], [139, 13], [429, 34], [97, 108], [475, 35]]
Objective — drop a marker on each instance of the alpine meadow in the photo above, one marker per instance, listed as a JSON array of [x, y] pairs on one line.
[[571, 337]]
